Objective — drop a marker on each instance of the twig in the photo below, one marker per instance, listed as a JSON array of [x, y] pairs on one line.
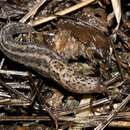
[[117, 60], [60, 13], [119, 124], [42, 103], [83, 107], [16, 92], [95, 103], [14, 102], [5, 95], [113, 114], [17, 85], [2, 62], [32, 11], [12, 72]]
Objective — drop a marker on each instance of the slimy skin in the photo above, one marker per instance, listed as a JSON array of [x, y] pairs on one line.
[[73, 81], [45, 61]]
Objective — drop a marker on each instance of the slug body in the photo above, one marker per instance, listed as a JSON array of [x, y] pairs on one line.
[[45, 61], [26, 53], [72, 80]]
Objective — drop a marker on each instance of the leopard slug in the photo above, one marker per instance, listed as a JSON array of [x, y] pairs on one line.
[[27, 53], [45, 61], [72, 80]]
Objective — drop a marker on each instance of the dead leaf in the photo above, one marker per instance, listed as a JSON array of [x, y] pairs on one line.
[[116, 4]]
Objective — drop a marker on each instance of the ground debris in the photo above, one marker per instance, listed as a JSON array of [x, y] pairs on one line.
[[85, 35]]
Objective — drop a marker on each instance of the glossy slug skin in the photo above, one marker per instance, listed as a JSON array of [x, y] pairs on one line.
[[26, 53], [45, 61], [73, 81]]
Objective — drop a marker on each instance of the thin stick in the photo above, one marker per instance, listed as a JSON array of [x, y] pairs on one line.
[[61, 13], [13, 90], [113, 114], [13, 72], [2, 62], [32, 11]]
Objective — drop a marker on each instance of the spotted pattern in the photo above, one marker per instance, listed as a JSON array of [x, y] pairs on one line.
[[73, 81], [45, 61]]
